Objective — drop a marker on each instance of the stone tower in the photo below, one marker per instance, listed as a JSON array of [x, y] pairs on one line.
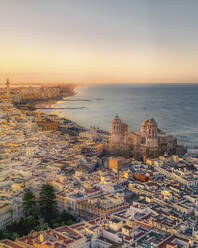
[[118, 141], [152, 134], [8, 89], [116, 135]]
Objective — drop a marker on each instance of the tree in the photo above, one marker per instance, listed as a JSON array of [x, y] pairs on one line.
[[14, 236], [47, 203], [29, 204], [65, 216], [30, 224], [11, 211], [70, 222]]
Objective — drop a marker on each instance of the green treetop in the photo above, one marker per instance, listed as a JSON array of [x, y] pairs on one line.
[[29, 205], [47, 203]]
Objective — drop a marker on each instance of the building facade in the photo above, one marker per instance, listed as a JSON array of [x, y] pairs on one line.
[[149, 142]]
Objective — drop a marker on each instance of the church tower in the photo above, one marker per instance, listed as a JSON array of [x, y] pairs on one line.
[[116, 135], [152, 133], [116, 126], [118, 141]]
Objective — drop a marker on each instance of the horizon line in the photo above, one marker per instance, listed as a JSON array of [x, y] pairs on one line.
[[94, 83]]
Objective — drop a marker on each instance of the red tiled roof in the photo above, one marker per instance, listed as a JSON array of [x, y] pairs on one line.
[[11, 244]]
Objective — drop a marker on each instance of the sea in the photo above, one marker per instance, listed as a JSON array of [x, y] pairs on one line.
[[173, 106]]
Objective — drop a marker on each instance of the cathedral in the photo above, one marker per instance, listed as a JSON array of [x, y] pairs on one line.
[[149, 142]]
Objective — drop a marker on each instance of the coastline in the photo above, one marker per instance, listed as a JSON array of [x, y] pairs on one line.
[[38, 105], [50, 102], [133, 109]]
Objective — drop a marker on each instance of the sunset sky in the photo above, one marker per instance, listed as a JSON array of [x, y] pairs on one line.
[[99, 41]]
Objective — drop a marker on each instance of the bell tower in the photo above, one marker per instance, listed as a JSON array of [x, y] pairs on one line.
[[116, 125], [151, 133], [116, 135]]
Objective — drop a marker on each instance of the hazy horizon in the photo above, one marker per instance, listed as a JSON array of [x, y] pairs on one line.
[[21, 84], [115, 41]]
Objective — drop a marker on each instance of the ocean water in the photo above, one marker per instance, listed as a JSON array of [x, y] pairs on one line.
[[173, 106]]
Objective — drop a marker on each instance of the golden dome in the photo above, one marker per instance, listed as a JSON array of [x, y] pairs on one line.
[[149, 122]]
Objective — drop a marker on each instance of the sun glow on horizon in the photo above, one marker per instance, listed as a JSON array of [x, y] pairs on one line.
[[99, 42]]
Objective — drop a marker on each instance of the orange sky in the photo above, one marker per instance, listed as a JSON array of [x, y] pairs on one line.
[[99, 42]]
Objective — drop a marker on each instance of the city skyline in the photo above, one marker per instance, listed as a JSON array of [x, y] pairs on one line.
[[99, 41], [98, 124]]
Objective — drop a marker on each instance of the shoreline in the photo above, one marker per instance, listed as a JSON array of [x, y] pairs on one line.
[[38, 105], [45, 103], [51, 103]]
